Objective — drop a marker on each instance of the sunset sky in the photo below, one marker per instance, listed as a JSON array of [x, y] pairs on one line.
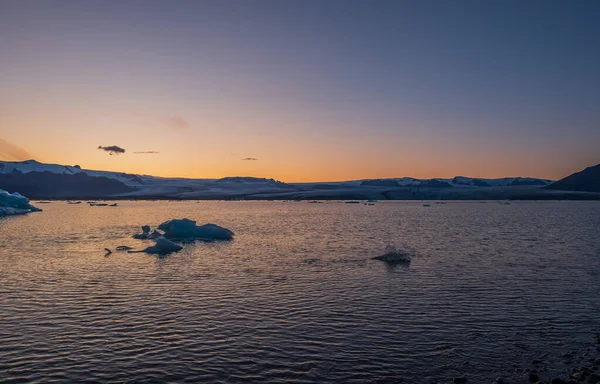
[[303, 90]]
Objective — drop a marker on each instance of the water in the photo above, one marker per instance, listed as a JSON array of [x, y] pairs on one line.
[[295, 297]]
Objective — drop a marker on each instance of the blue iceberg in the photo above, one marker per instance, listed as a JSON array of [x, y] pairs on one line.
[[162, 247], [394, 255], [187, 229], [14, 204]]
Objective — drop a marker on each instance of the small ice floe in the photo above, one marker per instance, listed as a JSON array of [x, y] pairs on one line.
[[119, 248], [311, 260], [162, 247], [187, 229], [14, 204], [394, 255], [146, 234]]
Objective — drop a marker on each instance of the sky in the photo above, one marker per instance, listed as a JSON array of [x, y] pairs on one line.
[[303, 90]]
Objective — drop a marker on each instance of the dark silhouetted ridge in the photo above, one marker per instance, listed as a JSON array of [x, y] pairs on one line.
[[587, 180], [55, 185]]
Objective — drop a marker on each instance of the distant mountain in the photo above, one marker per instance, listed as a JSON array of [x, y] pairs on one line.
[[47, 181], [40, 180], [435, 183], [253, 181], [380, 183], [57, 185], [519, 181], [587, 180]]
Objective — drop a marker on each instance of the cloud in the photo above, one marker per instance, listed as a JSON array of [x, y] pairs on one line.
[[250, 158], [112, 149], [146, 152], [12, 152], [174, 122]]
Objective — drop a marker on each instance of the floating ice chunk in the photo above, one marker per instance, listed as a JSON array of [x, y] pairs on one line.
[[9, 211], [162, 247], [14, 204], [187, 229], [394, 255], [146, 234]]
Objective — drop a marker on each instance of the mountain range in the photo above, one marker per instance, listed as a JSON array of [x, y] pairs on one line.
[[52, 181]]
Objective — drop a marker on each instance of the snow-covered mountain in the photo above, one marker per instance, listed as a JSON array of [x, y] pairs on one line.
[[35, 166], [65, 181], [41, 180]]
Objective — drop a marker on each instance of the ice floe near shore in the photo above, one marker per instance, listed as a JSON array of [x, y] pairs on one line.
[[14, 204]]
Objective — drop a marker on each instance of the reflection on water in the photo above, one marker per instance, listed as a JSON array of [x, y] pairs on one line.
[[296, 296]]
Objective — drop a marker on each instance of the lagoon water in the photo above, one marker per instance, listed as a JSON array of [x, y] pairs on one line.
[[296, 297]]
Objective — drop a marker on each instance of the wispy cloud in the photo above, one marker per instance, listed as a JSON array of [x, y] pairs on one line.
[[146, 152], [112, 149], [174, 122], [11, 152], [249, 158]]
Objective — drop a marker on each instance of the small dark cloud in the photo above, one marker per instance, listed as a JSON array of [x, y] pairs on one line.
[[249, 158], [174, 122], [146, 152], [112, 149]]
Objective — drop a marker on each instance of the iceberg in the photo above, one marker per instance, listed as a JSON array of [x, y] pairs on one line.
[[14, 204], [187, 229], [394, 255], [162, 247], [146, 234]]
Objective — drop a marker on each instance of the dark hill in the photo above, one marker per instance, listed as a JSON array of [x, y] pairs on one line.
[[47, 185], [587, 180]]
